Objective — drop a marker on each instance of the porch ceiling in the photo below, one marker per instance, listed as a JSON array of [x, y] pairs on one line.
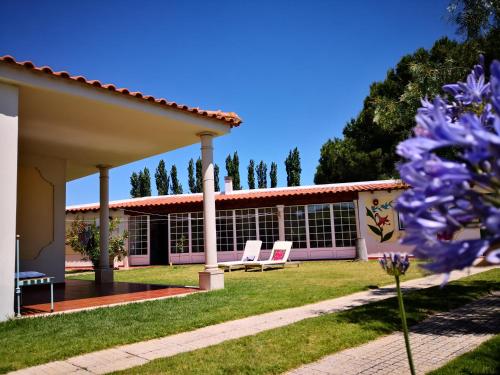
[[87, 126]]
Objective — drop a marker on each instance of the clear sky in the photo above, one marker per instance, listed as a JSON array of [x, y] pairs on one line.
[[295, 71]]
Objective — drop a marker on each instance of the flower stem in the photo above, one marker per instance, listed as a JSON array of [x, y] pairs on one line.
[[405, 326]]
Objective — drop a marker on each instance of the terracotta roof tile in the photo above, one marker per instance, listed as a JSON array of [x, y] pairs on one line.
[[257, 194], [230, 118]]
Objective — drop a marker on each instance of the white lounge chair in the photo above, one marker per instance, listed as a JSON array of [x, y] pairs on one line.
[[251, 253], [278, 258]]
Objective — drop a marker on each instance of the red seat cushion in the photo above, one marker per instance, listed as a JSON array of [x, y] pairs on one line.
[[278, 254]]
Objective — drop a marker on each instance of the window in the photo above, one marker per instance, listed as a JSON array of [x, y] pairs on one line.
[[320, 225], [197, 242], [245, 227], [224, 227], [138, 235], [268, 227], [295, 226], [344, 221], [179, 233]]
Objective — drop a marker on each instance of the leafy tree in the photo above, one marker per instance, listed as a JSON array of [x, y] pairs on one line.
[[262, 175], [191, 180], [293, 168], [145, 183], [176, 186], [273, 174], [84, 238], [134, 183], [216, 177], [474, 18], [199, 176], [251, 174], [388, 113], [162, 179]]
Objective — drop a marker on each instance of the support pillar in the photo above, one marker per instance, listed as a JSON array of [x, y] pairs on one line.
[[104, 274], [360, 244], [211, 278], [9, 129], [281, 222]]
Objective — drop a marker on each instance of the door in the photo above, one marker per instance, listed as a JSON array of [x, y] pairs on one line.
[[138, 241]]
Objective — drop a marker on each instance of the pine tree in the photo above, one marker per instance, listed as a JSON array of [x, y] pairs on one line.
[[199, 176], [145, 183], [191, 181], [251, 175], [293, 168], [216, 177], [134, 183], [236, 172], [176, 186], [162, 179], [273, 174], [262, 175]]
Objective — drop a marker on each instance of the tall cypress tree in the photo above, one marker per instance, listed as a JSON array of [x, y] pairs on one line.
[[162, 179], [273, 174], [176, 186], [191, 181], [216, 177], [236, 172], [262, 175], [229, 165], [293, 168], [134, 183], [145, 183], [199, 176], [251, 174]]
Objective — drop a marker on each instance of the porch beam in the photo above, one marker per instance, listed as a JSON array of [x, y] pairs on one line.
[[212, 277], [104, 274]]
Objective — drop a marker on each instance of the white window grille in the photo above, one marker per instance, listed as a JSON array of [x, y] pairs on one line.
[[344, 220], [268, 227], [320, 226], [295, 226], [245, 227], [179, 233], [138, 235], [225, 230], [197, 242]]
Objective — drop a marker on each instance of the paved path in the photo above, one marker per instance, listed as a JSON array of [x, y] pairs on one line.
[[434, 342], [132, 355]]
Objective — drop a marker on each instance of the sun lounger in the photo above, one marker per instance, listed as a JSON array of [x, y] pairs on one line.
[[251, 253], [278, 258]]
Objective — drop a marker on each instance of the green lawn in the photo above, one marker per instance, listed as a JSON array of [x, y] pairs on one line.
[[282, 349], [485, 360], [28, 342]]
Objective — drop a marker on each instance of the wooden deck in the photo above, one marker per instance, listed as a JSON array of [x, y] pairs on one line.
[[81, 294]]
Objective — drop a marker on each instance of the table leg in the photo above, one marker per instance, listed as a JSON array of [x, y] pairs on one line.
[[51, 297]]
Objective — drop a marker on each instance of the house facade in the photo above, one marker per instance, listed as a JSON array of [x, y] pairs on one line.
[[322, 221]]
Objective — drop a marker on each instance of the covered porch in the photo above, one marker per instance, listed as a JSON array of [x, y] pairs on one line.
[[76, 295], [55, 128]]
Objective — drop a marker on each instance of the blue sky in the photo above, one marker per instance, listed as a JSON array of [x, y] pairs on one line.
[[295, 71]]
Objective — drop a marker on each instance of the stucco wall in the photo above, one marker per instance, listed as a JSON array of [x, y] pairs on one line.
[[74, 259], [8, 192], [41, 214], [381, 205]]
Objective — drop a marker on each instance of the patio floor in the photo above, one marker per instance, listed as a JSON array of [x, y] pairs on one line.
[[81, 294]]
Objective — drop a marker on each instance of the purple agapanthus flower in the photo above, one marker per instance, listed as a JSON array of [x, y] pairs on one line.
[[448, 195], [395, 264]]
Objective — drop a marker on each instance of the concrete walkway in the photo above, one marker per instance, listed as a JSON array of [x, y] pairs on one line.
[[132, 355], [435, 342]]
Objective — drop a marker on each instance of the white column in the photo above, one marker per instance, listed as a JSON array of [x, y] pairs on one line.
[[281, 222], [9, 124], [211, 278], [104, 274], [361, 250]]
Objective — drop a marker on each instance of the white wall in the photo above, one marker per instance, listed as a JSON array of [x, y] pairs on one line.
[[48, 257], [9, 126]]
